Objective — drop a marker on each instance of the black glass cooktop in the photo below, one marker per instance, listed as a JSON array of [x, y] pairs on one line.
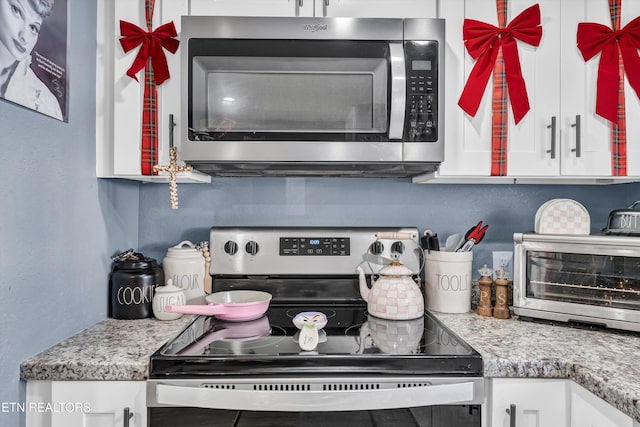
[[352, 342]]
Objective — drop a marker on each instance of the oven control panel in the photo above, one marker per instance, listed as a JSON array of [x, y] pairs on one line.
[[249, 251], [312, 246]]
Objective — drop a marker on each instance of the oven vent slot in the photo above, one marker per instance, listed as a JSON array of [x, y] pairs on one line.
[[282, 387], [350, 386], [220, 386], [406, 385]]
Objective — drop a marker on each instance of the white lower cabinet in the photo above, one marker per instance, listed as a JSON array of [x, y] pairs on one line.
[[533, 402], [588, 410], [548, 403], [86, 404]]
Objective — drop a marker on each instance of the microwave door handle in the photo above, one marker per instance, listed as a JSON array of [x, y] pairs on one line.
[[398, 91]]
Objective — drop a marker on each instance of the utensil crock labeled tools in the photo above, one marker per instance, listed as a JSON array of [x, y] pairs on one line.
[[448, 281], [395, 295], [169, 294], [132, 284], [240, 305], [184, 264]]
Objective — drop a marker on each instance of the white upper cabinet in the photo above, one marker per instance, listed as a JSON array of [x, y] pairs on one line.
[[579, 97], [547, 143], [248, 7], [377, 8], [119, 97]]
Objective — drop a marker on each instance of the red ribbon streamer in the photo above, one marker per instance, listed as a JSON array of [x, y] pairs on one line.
[[594, 38], [482, 41], [151, 44]]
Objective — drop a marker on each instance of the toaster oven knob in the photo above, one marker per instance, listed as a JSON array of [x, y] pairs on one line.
[[397, 247], [377, 247], [251, 247], [231, 247]]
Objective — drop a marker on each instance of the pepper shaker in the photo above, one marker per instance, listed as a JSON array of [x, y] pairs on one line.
[[485, 308], [501, 310]]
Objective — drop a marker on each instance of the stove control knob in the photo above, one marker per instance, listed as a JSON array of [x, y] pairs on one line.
[[397, 247], [251, 247], [231, 247], [377, 247]]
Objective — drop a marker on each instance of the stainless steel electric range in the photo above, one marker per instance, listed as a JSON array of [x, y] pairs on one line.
[[363, 371]]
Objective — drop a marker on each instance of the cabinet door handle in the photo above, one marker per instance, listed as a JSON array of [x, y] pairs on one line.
[[127, 416], [512, 415], [300, 3], [576, 125], [552, 126]]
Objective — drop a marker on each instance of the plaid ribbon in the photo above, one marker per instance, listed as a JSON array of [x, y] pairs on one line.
[[499, 110], [149, 148], [619, 129], [151, 57]]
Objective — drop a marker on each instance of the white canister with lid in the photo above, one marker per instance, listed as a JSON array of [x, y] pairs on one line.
[[167, 295], [184, 265]]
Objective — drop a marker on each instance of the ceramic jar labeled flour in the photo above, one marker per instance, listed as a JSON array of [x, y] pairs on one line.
[[184, 265]]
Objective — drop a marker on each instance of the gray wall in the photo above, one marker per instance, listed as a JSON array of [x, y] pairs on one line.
[[446, 209], [59, 224]]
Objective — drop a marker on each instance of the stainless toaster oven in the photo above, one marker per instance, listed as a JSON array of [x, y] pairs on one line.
[[591, 279]]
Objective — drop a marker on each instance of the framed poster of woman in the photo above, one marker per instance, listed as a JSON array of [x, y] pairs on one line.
[[33, 55]]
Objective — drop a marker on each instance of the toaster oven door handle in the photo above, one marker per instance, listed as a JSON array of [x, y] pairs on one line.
[[323, 401], [398, 91]]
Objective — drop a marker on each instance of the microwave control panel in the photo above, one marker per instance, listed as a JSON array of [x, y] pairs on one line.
[[421, 62]]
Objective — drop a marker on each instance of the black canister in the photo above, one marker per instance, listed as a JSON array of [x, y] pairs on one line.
[[132, 285]]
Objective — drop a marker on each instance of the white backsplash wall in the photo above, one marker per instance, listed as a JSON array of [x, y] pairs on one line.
[[446, 209]]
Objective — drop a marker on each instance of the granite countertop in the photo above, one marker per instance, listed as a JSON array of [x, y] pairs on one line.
[[602, 361], [115, 350]]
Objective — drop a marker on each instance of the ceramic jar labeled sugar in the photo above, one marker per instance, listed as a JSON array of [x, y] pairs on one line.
[[184, 265]]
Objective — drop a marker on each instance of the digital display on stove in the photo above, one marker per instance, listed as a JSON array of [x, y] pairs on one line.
[[314, 246]]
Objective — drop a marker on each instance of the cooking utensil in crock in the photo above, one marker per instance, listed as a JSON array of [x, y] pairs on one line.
[[239, 305]]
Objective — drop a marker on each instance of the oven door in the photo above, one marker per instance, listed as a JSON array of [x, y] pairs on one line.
[[406, 401], [325, 80]]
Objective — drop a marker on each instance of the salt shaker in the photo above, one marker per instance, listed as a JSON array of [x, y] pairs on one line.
[[501, 310], [485, 308]]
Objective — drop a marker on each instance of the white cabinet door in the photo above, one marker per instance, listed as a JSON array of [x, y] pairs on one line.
[[588, 410], [538, 402], [579, 95], [467, 139], [377, 8], [86, 403], [533, 147], [119, 97]]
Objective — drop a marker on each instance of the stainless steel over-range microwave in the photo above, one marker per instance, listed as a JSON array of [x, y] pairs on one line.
[[312, 96]]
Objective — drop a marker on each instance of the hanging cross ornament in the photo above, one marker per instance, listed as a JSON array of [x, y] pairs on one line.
[[172, 168]]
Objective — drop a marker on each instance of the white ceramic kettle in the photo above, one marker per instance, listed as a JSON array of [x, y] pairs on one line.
[[395, 295]]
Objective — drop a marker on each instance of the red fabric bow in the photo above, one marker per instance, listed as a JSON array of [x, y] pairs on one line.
[[594, 38], [151, 47], [482, 41]]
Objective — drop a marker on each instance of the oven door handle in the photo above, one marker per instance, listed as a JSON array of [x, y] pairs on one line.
[[316, 401], [398, 91]]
